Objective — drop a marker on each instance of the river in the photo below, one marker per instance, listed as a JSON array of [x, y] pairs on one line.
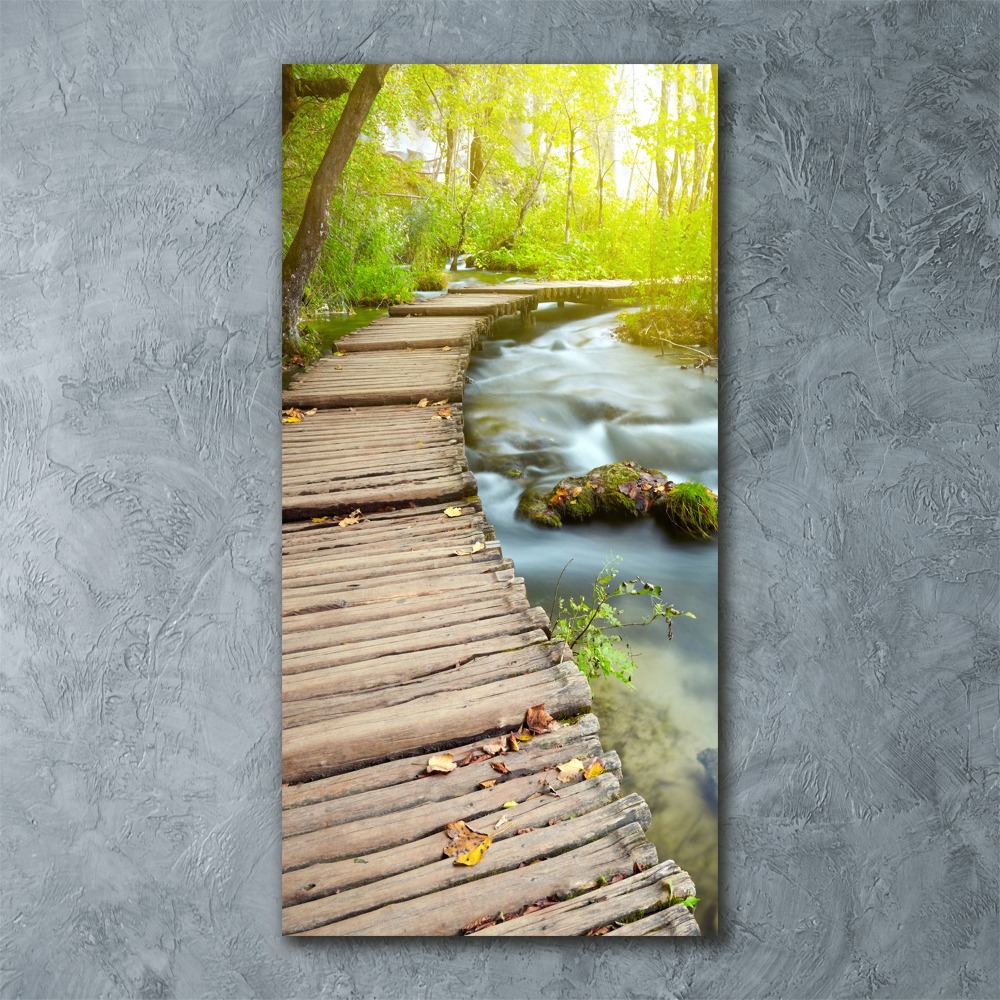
[[558, 398]]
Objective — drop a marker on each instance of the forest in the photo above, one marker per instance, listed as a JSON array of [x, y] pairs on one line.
[[394, 175]]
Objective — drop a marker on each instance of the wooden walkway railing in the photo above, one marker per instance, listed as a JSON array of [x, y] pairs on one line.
[[406, 636]]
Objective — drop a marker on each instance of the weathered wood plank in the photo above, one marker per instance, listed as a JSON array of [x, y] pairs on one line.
[[448, 911], [675, 921], [324, 878], [504, 855], [604, 906], [366, 674], [315, 749], [395, 772]]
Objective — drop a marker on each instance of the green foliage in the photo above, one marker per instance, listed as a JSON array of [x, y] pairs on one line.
[[583, 624], [528, 177], [693, 508]]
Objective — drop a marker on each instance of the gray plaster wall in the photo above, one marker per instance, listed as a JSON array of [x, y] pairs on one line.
[[139, 579]]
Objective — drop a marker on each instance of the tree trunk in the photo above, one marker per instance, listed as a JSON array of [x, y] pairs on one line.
[[449, 162], [312, 232], [569, 183], [663, 178], [292, 89], [476, 162]]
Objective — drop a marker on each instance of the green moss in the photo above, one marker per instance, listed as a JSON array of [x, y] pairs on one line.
[[693, 509], [533, 506]]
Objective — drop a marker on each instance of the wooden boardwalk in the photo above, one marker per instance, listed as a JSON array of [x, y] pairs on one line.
[[406, 634]]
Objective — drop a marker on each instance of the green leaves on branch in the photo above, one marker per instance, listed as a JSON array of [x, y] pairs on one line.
[[585, 625]]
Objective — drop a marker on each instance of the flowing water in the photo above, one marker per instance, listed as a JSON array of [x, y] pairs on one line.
[[557, 398]]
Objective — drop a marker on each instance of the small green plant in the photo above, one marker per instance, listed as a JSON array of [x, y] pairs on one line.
[[693, 508], [583, 624]]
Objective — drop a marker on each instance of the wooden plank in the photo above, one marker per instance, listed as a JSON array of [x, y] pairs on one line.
[[423, 641], [394, 772], [355, 690], [454, 487], [604, 906], [674, 921], [504, 855], [348, 625], [324, 878], [419, 788], [313, 750], [399, 668], [448, 911]]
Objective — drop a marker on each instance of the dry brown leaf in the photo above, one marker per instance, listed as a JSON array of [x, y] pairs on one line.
[[452, 511], [539, 721], [594, 768], [467, 759], [569, 770], [489, 783], [445, 412], [499, 766], [309, 413], [423, 402], [495, 746], [514, 745], [598, 931], [291, 416], [442, 763], [478, 547], [463, 838], [525, 829]]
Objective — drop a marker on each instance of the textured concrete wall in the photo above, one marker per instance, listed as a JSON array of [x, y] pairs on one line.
[[139, 578]]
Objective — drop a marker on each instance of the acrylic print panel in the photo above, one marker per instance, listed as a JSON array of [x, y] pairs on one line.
[[499, 451]]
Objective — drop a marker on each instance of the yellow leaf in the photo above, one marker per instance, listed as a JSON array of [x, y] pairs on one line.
[[474, 856], [442, 763], [445, 348], [510, 805], [423, 402], [453, 511], [444, 412], [478, 547], [338, 368], [569, 770], [594, 768], [319, 520], [488, 784], [291, 416], [309, 413], [353, 518]]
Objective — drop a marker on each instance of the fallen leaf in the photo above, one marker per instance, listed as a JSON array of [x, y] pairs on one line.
[[525, 829], [478, 547], [478, 925], [338, 368], [502, 822], [474, 856], [439, 402], [423, 402], [598, 931], [441, 764], [445, 348], [620, 877], [539, 721], [360, 861], [467, 759], [510, 805], [594, 768], [319, 520], [638, 867], [291, 416], [499, 766], [514, 745], [420, 444], [569, 770], [489, 783], [309, 413], [554, 822], [445, 412], [353, 518], [523, 735], [452, 511], [463, 839], [494, 746]]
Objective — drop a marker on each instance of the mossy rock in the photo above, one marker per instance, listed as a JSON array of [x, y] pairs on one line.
[[622, 491]]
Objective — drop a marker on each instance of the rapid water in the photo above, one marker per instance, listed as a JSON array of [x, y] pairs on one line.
[[558, 398]]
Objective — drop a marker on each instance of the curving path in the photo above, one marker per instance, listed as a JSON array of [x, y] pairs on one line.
[[405, 633]]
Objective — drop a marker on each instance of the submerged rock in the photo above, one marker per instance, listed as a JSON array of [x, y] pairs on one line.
[[621, 491], [709, 760]]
